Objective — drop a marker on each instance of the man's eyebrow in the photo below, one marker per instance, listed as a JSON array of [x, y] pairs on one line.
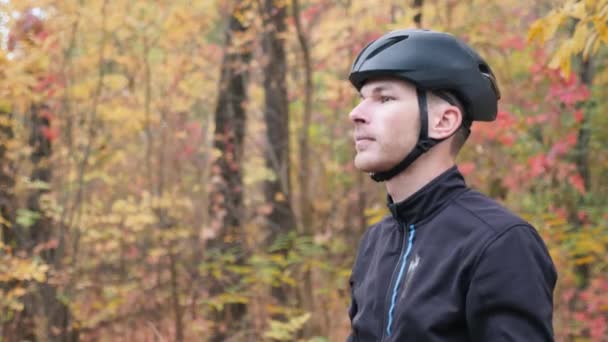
[[379, 89]]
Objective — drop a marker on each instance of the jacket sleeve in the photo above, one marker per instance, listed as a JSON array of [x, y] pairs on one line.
[[510, 295], [352, 310]]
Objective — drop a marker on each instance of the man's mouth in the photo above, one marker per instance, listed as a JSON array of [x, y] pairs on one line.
[[362, 142], [362, 138]]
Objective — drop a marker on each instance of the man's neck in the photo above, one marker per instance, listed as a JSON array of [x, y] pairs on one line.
[[420, 173]]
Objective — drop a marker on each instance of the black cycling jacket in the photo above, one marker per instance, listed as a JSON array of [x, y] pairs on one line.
[[450, 264]]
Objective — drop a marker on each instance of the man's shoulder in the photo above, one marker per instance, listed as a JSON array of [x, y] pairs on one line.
[[475, 206]]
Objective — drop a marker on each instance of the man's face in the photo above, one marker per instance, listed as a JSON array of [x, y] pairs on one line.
[[387, 124]]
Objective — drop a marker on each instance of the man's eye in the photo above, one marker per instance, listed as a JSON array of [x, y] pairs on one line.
[[386, 98]]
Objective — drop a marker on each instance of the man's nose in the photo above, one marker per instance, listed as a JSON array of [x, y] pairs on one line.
[[358, 114]]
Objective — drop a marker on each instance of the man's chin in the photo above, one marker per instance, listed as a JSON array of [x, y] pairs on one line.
[[369, 166]]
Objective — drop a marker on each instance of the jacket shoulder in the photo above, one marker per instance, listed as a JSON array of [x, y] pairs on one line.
[[488, 212]]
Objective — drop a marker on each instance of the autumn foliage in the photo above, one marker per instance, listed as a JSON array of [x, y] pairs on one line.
[[113, 224]]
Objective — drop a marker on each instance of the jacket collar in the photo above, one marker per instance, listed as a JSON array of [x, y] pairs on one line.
[[429, 199]]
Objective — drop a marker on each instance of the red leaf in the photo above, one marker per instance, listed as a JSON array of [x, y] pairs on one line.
[[53, 243], [46, 114], [542, 118], [514, 179], [311, 12], [485, 131], [185, 153], [582, 216], [50, 133], [580, 316], [466, 168], [579, 115], [514, 42], [538, 165], [569, 91], [571, 139], [503, 118], [42, 35], [536, 119], [132, 253], [577, 182], [568, 294], [507, 139], [563, 146], [598, 328], [561, 212]]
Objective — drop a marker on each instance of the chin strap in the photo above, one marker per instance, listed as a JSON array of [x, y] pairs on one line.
[[424, 143]]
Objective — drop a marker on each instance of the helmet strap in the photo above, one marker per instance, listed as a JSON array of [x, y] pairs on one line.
[[424, 143]]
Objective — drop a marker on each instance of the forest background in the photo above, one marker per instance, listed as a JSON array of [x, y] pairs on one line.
[[182, 170]]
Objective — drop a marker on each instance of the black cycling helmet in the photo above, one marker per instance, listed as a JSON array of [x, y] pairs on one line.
[[432, 61]]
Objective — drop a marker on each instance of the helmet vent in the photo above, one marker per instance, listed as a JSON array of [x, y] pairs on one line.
[[390, 42], [485, 71]]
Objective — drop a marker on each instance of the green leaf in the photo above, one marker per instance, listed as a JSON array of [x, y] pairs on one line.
[[27, 218], [285, 331], [39, 185]]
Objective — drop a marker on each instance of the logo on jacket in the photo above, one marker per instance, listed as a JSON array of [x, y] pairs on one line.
[[411, 269]]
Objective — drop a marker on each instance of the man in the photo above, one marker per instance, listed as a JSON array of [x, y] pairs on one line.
[[448, 264]]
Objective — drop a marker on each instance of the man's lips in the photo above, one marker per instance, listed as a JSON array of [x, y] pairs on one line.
[[362, 141], [363, 137]]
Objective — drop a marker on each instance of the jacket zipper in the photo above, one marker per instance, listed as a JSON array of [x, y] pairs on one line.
[[405, 252]]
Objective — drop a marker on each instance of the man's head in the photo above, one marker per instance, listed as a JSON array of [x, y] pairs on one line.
[[435, 85], [387, 123]]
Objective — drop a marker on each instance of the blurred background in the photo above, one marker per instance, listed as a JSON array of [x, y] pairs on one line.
[[182, 170]]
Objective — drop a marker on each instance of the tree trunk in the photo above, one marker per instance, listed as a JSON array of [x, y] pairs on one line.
[[226, 195], [277, 193], [44, 306], [177, 311], [16, 327], [584, 134], [306, 293], [306, 213], [167, 222], [418, 16], [7, 182], [582, 166]]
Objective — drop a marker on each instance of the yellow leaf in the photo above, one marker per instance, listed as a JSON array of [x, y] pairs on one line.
[[537, 31], [5, 106], [579, 38], [279, 197], [115, 81], [17, 292], [278, 259], [40, 273], [375, 214], [6, 223], [601, 27], [562, 60], [16, 305], [590, 3], [82, 90], [584, 260], [577, 10]]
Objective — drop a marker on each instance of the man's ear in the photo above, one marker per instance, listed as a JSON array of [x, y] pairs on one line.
[[444, 121]]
